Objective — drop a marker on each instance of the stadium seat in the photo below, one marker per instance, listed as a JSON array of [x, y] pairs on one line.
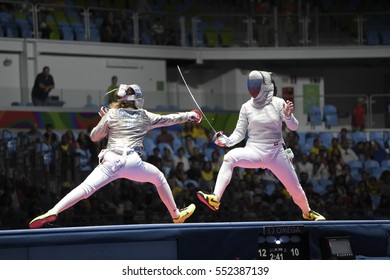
[[95, 35], [355, 165], [200, 142], [67, 33], [359, 136], [149, 146], [377, 136], [226, 37], [330, 115], [385, 164], [326, 138], [211, 36], [314, 115], [370, 166]]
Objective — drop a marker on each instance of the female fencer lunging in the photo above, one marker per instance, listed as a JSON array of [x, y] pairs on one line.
[[126, 124]]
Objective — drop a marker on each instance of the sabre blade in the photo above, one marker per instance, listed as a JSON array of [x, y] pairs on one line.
[[110, 91], [193, 98]]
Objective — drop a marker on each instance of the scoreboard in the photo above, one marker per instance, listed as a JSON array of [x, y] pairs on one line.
[[283, 243]]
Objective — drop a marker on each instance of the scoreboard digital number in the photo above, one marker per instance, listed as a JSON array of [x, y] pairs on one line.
[[283, 243]]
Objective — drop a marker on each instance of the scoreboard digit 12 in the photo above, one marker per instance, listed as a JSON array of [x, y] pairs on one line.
[[288, 242]]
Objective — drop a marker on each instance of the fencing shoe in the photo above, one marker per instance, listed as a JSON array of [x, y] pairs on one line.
[[41, 220], [209, 199], [185, 213], [313, 216]]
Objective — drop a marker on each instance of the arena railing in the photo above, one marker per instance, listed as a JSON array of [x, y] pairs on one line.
[[274, 29]]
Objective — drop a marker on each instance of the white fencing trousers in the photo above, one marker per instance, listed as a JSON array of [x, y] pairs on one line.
[[114, 166], [263, 156]]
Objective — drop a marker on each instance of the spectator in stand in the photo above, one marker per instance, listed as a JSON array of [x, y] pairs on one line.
[[187, 130], [378, 153], [158, 32], [45, 30], [347, 154], [165, 136], [110, 31], [198, 131], [292, 141], [359, 151], [358, 115], [194, 173], [71, 138], [180, 157], [320, 168], [317, 147], [180, 172], [305, 166], [345, 136], [43, 85], [111, 96], [167, 159], [335, 144], [189, 145], [216, 161], [34, 135], [385, 177], [383, 209], [207, 176], [335, 164], [155, 157], [198, 155], [89, 104]]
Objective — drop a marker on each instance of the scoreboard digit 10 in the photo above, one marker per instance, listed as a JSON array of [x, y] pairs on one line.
[[283, 243]]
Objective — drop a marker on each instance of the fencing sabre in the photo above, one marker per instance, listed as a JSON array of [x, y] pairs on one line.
[[193, 98], [110, 91]]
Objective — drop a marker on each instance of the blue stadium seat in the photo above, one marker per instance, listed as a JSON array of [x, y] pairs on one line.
[[370, 166], [95, 35], [385, 164], [149, 146], [355, 165], [314, 115], [200, 142], [330, 115], [80, 33], [359, 136], [377, 136], [67, 33], [326, 138]]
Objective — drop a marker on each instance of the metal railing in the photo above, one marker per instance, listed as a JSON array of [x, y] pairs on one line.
[[309, 28]]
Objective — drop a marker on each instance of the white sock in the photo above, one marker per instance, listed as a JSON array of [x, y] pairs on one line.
[[165, 193]]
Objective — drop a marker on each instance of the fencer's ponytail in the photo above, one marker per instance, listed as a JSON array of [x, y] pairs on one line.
[[275, 88]]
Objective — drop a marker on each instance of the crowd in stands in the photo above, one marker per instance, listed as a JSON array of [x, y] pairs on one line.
[[190, 160]]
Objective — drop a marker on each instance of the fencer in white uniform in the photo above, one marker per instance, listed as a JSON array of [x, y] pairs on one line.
[[261, 119], [125, 124]]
